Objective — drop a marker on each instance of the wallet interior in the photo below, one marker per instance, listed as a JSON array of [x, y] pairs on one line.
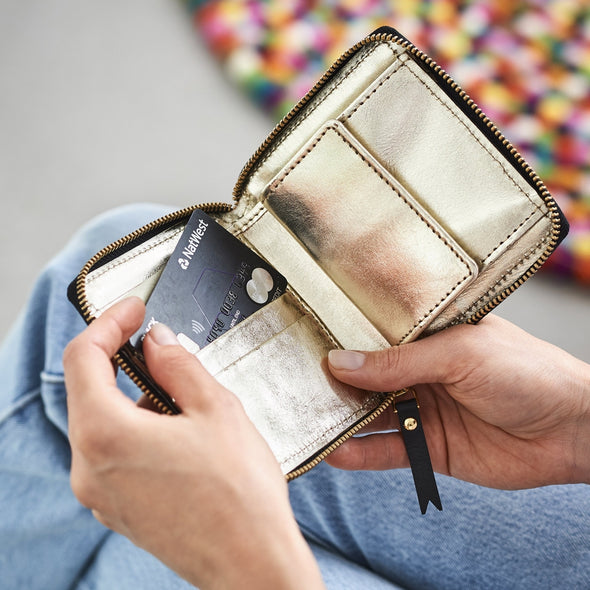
[[392, 210]]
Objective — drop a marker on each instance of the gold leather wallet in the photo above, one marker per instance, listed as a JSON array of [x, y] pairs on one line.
[[393, 207]]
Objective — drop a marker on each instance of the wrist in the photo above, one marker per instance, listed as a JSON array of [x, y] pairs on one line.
[[581, 432], [277, 559], [290, 566], [287, 564]]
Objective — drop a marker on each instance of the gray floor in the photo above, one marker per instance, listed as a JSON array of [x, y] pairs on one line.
[[107, 103]]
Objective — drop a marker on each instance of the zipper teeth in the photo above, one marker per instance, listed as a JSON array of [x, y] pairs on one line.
[[348, 434], [81, 284], [514, 153], [160, 406], [170, 217]]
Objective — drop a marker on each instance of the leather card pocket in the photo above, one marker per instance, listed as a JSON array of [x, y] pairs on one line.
[[374, 240], [281, 344]]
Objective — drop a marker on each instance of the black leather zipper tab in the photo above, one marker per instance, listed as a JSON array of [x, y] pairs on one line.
[[410, 426]]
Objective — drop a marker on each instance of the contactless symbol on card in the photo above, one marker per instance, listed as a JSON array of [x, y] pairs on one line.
[[210, 284]]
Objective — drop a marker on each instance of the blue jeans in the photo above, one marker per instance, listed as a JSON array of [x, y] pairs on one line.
[[364, 527]]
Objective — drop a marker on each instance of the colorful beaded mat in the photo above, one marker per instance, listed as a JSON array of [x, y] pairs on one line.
[[527, 65]]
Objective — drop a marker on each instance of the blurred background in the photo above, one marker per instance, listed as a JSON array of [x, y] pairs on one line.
[[108, 103]]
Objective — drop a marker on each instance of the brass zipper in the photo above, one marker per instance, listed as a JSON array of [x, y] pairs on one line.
[[170, 218], [145, 390], [387, 401]]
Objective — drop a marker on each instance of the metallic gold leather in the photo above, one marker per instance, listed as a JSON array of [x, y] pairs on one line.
[[281, 345], [408, 122], [348, 325], [134, 273], [369, 235], [327, 104], [496, 277]]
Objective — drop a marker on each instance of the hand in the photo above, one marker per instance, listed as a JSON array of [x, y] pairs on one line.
[[499, 407], [200, 490]]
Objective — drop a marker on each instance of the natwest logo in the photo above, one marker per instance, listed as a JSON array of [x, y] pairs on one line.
[[192, 244]]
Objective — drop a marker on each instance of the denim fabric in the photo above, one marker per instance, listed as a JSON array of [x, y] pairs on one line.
[[364, 528]]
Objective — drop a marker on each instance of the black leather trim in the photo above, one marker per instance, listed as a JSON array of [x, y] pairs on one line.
[[410, 426]]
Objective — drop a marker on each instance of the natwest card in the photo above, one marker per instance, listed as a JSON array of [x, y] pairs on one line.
[[211, 282]]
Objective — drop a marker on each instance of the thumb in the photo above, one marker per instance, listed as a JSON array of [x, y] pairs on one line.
[[178, 371], [431, 360]]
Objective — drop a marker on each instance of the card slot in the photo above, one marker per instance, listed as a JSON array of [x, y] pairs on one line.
[[281, 344], [409, 122], [250, 334], [380, 246], [134, 273], [348, 326]]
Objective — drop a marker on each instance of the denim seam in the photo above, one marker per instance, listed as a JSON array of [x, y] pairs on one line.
[[52, 377], [22, 401]]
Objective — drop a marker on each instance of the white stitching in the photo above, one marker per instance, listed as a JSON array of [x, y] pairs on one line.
[[129, 256]]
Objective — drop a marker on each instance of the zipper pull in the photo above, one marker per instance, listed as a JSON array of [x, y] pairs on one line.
[[410, 426]]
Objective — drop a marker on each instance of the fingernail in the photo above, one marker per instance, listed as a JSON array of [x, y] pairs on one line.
[[161, 334], [349, 360]]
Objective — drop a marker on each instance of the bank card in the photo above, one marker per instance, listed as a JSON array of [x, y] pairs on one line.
[[211, 283]]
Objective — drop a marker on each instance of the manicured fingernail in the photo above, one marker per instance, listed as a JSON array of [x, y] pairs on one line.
[[161, 334], [349, 360]]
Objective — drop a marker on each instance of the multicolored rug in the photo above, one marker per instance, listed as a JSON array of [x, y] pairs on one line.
[[526, 63]]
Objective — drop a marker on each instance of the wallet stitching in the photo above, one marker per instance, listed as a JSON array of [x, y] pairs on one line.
[[303, 306], [366, 405], [306, 309], [432, 309], [259, 346], [268, 339], [477, 139], [127, 258], [242, 228], [359, 412], [521, 224], [454, 116], [310, 108], [374, 90], [492, 291], [281, 179]]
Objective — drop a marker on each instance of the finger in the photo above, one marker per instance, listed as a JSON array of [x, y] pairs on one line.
[[146, 403], [178, 371], [374, 452], [99, 517], [435, 359], [89, 373], [106, 522]]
